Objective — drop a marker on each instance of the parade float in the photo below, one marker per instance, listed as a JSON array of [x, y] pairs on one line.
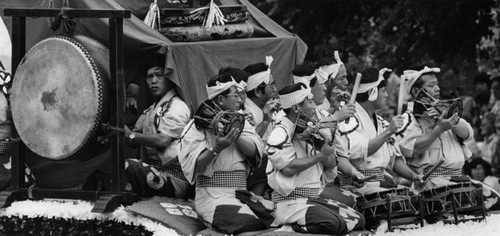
[[99, 47]]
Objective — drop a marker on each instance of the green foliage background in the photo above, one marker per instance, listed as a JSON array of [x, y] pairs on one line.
[[394, 33]]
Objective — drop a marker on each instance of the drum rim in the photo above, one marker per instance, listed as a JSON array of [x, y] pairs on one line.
[[99, 90]]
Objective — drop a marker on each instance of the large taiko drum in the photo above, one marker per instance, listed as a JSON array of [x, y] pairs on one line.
[[59, 96]]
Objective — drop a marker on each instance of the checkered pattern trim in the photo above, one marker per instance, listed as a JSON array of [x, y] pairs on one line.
[[5, 146], [224, 179], [443, 171], [296, 193], [172, 169], [379, 172]]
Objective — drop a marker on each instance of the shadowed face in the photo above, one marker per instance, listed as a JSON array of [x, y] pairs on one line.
[[487, 127], [340, 80], [381, 100], [495, 89], [230, 101], [157, 83], [478, 173], [431, 85], [307, 107], [318, 91], [270, 91]]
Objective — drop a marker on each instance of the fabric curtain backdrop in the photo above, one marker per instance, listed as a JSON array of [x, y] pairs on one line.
[[190, 64]]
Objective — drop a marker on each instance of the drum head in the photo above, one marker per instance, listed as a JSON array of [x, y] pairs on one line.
[[456, 107], [57, 97], [209, 116], [236, 121], [204, 115]]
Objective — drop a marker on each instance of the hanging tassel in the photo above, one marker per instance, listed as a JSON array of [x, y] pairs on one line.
[[153, 15], [214, 16]]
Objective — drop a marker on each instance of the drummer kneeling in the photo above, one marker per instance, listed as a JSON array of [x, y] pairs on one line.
[[158, 131], [431, 136], [295, 169], [373, 152]]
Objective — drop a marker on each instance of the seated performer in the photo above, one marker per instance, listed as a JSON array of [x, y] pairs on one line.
[[240, 77], [261, 91], [370, 140], [295, 170], [428, 136], [337, 76], [158, 131], [219, 164], [315, 78], [257, 180]]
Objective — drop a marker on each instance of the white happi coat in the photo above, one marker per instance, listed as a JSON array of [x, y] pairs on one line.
[[169, 116], [358, 133], [281, 157], [296, 195], [447, 146], [193, 143]]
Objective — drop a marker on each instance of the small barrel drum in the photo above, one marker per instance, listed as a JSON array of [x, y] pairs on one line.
[[60, 95], [376, 205], [211, 117], [440, 200]]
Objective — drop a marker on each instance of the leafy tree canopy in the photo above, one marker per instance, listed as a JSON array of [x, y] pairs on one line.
[[389, 33]]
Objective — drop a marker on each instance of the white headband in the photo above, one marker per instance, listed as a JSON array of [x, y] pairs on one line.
[[411, 76], [303, 79], [321, 74], [371, 88], [327, 71], [241, 86], [219, 87], [262, 77], [294, 98]]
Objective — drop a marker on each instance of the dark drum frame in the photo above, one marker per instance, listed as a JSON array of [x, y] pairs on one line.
[[105, 201]]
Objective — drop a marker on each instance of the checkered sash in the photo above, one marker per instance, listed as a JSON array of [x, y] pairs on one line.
[[173, 169], [296, 193], [443, 171], [224, 179], [379, 172], [5, 146]]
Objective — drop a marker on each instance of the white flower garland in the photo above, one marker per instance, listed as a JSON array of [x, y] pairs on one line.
[[81, 210]]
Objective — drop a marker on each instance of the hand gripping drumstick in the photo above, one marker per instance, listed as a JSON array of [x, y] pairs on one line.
[[366, 179], [434, 168], [107, 127], [401, 95], [360, 182], [354, 92]]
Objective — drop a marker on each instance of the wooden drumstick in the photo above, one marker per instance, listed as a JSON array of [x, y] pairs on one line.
[[354, 92], [434, 168], [401, 96], [366, 179], [113, 128], [355, 88]]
